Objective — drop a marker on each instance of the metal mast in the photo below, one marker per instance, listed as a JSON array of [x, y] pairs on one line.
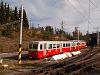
[[20, 44], [62, 23], [89, 18], [97, 37]]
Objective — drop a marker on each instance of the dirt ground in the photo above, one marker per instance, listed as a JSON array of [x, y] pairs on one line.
[[28, 65]]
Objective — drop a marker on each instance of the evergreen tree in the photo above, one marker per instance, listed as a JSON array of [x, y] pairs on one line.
[[2, 13], [25, 20], [49, 29], [15, 14], [7, 11], [8, 17]]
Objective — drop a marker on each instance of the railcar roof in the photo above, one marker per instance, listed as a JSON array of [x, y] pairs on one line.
[[49, 41], [77, 40]]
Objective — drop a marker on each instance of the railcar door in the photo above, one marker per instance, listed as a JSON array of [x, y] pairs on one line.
[[45, 48], [60, 47]]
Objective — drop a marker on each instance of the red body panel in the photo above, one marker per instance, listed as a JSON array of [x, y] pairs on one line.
[[66, 49], [36, 54]]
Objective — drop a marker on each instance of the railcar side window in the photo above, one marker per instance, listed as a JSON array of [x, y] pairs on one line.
[[30, 46], [68, 44], [78, 43], [54, 45], [40, 46], [50, 46], [64, 45], [58, 45]]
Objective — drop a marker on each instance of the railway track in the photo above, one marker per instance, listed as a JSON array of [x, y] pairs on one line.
[[69, 66]]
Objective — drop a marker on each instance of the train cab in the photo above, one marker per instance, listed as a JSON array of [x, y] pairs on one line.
[[34, 49]]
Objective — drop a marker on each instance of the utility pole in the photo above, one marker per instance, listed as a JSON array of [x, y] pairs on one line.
[[38, 26], [62, 25], [89, 18], [20, 44], [30, 24], [78, 36], [97, 37]]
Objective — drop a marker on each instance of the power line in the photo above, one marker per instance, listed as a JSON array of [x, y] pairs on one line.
[[97, 2], [82, 7], [94, 5], [86, 12], [80, 13], [76, 9]]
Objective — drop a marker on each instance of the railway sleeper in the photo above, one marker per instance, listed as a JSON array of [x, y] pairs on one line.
[[58, 71], [67, 66]]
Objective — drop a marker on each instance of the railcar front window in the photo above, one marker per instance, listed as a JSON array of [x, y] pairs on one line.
[[35, 46]]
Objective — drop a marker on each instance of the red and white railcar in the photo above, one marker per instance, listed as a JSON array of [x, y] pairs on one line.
[[41, 49]]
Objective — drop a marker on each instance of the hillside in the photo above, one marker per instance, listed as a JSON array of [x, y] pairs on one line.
[[10, 42]]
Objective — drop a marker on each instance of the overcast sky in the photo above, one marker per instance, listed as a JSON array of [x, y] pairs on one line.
[[74, 13]]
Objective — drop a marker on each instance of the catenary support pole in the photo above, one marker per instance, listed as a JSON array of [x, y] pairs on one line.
[[97, 37], [62, 24], [20, 41]]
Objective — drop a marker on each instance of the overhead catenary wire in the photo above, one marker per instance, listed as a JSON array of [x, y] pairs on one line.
[[76, 9], [86, 12], [94, 5], [81, 13], [97, 3], [82, 7]]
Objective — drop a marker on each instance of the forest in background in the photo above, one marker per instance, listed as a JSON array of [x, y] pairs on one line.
[[10, 27]]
